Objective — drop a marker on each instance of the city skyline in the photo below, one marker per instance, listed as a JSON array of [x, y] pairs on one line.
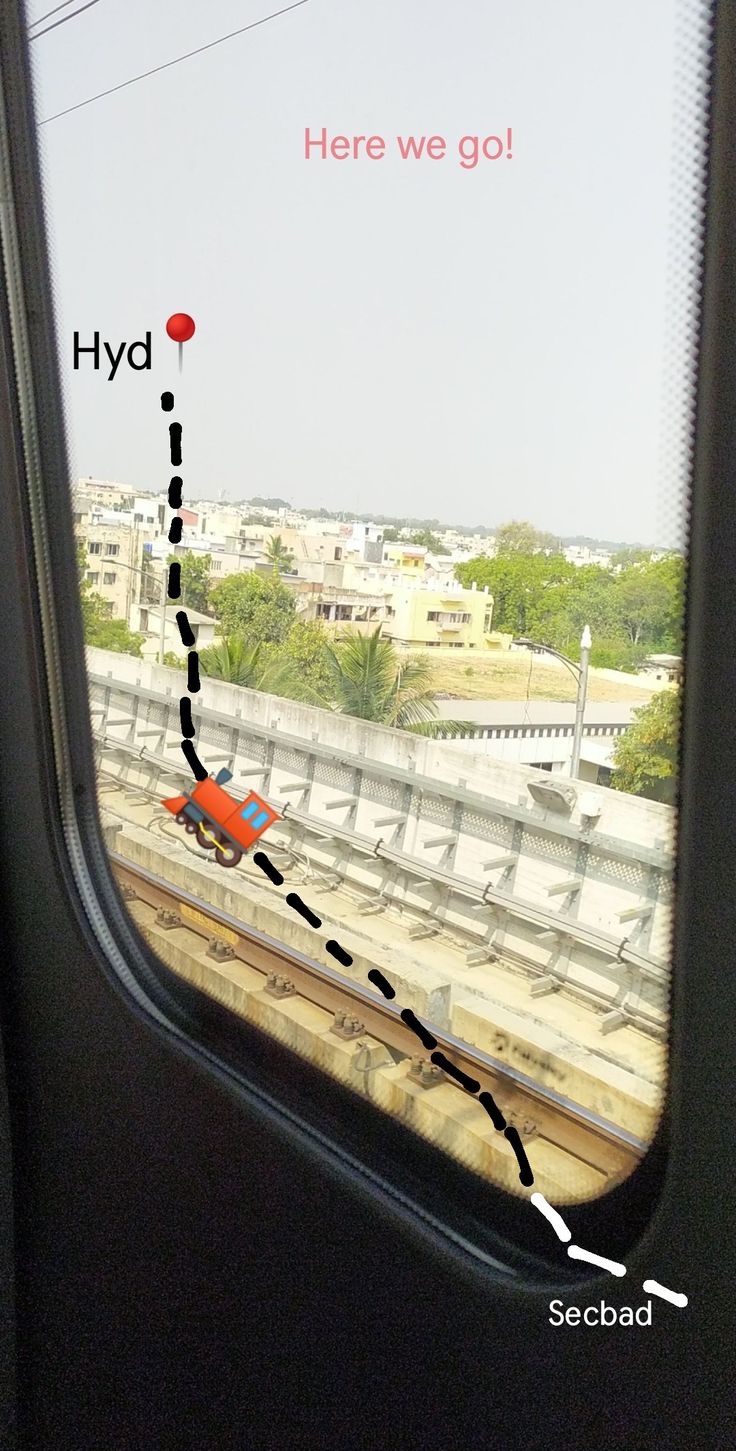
[[375, 336]]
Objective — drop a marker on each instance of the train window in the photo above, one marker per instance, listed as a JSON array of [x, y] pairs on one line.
[[385, 686]]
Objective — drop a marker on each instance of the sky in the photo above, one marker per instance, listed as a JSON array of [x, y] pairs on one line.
[[404, 337]]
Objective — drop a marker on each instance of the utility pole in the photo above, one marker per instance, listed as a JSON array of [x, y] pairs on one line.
[[585, 644], [162, 634]]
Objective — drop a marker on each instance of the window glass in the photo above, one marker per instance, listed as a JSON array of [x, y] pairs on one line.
[[366, 315]]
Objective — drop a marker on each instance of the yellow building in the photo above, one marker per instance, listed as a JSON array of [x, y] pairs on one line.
[[407, 558], [432, 617]]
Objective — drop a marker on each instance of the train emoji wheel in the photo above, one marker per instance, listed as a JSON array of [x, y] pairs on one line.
[[181, 819], [226, 854], [207, 836]]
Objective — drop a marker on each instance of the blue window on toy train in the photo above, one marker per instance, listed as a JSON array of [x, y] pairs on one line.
[[249, 811]]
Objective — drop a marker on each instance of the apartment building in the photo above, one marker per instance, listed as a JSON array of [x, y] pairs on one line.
[[113, 560], [455, 617]]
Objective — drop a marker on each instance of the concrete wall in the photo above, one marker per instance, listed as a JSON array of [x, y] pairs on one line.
[[450, 814]]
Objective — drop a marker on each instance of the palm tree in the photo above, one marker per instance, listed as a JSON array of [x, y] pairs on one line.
[[370, 680], [252, 666], [278, 555]]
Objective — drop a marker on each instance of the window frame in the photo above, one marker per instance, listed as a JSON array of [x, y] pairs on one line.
[[360, 1141]]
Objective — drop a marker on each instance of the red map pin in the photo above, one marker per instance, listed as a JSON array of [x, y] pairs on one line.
[[180, 328]]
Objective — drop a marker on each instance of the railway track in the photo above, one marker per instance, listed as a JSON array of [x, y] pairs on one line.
[[538, 1111], [607, 1004]]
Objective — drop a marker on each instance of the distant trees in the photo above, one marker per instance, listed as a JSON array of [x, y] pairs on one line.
[[645, 756], [632, 611], [427, 540], [520, 537]]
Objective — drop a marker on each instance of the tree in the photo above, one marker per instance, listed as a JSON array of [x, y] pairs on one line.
[[520, 537], [305, 649], [649, 600], [630, 555], [519, 584], [109, 634], [427, 540], [370, 680], [195, 580], [645, 756], [99, 628], [278, 555], [631, 611], [252, 666], [261, 610], [390, 535]]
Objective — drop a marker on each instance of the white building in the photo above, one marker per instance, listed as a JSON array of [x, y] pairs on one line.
[[146, 620]]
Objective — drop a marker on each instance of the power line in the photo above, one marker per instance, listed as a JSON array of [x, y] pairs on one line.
[[63, 20], [144, 74], [48, 13]]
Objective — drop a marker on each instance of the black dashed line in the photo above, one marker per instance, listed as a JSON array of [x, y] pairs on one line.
[[263, 862], [382, 983], [175, 444], [339, 952], [464, 1079], [294, 900], [426, 1038], [175, 529], [193, 761], [185, 716], [266, 865], [514, 1138], [492, 1109], [185, 630]]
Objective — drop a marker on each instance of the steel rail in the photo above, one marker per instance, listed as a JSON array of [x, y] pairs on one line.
[[594, 1140]]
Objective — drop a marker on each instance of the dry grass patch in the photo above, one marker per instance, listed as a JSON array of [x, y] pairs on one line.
[[507, 677]]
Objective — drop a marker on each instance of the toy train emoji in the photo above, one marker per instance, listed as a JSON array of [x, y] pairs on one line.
[[221, 822]]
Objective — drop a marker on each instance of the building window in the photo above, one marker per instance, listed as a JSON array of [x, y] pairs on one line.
[[95, 547], [449, 617], [109, 577], [93, 577], [113, 549]]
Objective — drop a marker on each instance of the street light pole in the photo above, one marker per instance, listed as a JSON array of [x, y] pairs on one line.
[[162, 632], [577, 740]]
